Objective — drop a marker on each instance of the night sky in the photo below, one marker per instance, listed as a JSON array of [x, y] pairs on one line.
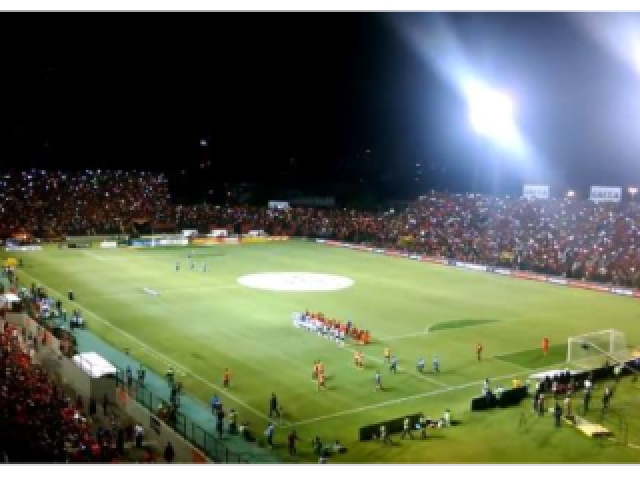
[[328, 104]]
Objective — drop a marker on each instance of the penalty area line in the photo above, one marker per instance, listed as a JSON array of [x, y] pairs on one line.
[[394, 401], [155, 353]]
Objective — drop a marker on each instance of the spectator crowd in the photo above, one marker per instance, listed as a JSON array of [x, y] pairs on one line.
[[567, 237], [39, 423]]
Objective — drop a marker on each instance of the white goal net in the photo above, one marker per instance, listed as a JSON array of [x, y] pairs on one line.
[[596, 349]]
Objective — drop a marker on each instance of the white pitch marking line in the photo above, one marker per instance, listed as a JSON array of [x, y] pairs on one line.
[[404, 399], [134, 293], [406, 335], [158, 354]]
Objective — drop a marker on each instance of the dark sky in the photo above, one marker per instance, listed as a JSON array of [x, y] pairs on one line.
[[330, 103]]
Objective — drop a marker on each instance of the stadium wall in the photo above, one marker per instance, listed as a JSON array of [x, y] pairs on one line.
[[595, 287]]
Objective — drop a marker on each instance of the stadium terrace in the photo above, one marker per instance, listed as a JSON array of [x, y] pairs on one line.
[[565, 237]]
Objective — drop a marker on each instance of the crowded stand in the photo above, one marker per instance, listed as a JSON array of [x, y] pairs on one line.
[[38, 421], [566, 236], [53, 204]]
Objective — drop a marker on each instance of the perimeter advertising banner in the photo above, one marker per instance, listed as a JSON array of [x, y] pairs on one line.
[[278, 205], [218, 232], [606, 194], [535, 191], [189, 232]]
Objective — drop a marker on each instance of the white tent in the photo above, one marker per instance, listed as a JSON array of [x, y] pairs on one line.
[[9, 298], [94, 365]]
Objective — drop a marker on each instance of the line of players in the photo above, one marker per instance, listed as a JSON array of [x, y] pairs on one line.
[[332, 328]]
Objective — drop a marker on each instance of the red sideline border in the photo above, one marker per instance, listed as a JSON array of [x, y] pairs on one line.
[[595, 287]]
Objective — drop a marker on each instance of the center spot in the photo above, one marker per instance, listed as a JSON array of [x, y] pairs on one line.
[[295, 281]]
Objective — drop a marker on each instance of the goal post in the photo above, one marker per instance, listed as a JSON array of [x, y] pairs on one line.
[[595, 349]]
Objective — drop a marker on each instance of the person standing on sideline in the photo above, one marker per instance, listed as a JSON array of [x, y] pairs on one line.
[[269, 434], [220, 422], [423, 426], [587, 399], [436, 365], [557, 413], [406, 429], [170, 375], [129, 375], [273, 406], [215, 404], [139, 435], [606, 399], [386, 438], [617, 370], [567, 406], [293, 438], [169, 453], [541, 405]]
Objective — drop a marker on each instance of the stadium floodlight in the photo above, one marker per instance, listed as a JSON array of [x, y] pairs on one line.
[[491, 113], [632, 191], [571, 194], [203, 142]]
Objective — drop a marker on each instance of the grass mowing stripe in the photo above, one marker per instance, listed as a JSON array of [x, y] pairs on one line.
[[446, 325], [158, 355], [534, 358], [406, 335]]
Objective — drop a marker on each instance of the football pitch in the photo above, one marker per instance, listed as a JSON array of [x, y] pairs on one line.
[[204, 322]]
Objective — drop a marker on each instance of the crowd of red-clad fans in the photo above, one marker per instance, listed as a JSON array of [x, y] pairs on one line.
[[567, 236], [38, 422], [53, 203]]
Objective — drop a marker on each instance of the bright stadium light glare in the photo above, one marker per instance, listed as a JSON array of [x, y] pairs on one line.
[[491, 114], [571, 194]]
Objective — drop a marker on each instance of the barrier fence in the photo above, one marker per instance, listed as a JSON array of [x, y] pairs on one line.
[[194, 433], [216, 449]]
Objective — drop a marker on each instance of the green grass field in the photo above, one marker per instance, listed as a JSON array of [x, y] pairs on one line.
[[204, 322]]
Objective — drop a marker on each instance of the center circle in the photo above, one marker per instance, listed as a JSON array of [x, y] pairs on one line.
[[295, 281]]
